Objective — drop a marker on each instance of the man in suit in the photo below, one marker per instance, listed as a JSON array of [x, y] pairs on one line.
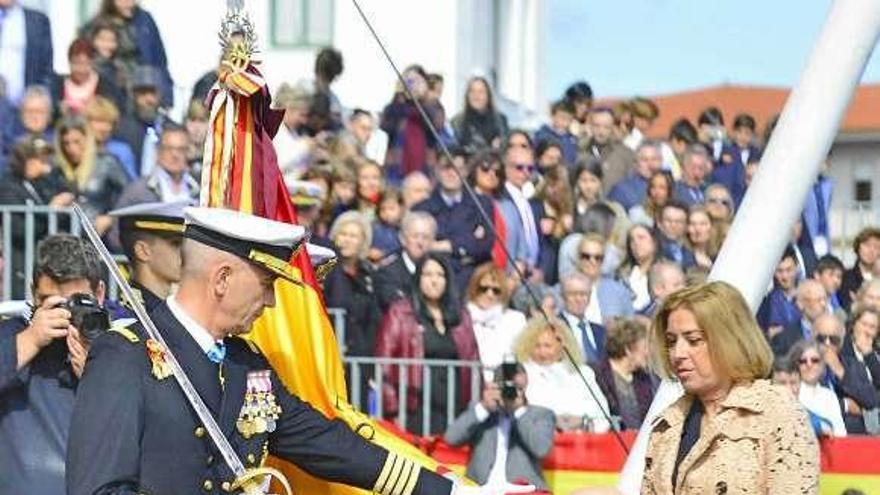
[[134, 431], [672, 228], [394, 277], [576, 292], [695, 166], [508, 437], [461, 231], [41, 360], [25, 49], [522, 240], [812, 302]]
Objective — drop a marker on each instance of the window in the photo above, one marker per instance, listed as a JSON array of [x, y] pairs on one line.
[[301, 23], [863, 191]]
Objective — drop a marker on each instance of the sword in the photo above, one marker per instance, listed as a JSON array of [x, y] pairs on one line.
[[248, 480]]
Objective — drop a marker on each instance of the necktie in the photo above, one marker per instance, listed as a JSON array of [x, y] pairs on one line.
[[590, 352], [217, 352]]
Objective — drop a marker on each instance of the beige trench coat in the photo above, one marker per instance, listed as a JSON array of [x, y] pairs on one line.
[[760, 442]]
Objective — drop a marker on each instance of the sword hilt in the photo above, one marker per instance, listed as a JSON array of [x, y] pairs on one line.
[[251, 482]]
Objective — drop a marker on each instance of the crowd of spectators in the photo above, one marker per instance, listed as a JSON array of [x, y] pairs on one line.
[[598, 212]]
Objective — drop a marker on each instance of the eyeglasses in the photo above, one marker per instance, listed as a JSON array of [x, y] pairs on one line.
[[828, 339], [179, 149], [812, 360], [489, 167], [485, 289], [718, 201], [529, 169], [592, 257]]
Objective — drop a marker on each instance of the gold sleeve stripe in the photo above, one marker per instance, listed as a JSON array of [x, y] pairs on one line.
[[395, 474], [402, 479], [386, 470], [413, 478]]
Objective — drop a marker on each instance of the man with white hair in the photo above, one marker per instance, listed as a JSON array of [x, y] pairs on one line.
[[394, 277], [590, 336], [812, 302], [664, 278]]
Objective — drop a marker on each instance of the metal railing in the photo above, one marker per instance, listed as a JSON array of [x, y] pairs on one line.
[[373, 369]]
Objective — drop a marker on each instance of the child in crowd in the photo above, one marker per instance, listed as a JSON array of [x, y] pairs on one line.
[[561, 115], [386, 227]]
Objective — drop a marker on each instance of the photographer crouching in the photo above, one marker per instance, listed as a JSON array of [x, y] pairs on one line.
[[509, 438], [41, 360]]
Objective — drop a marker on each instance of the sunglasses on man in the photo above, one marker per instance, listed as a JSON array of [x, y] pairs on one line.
[[828, 339]]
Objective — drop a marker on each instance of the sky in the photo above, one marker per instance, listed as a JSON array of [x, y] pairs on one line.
[[651, 47]]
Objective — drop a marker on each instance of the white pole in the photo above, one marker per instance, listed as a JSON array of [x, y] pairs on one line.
[[800, 143]]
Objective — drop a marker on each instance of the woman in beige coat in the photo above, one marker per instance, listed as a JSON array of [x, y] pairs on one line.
[[732, 432]]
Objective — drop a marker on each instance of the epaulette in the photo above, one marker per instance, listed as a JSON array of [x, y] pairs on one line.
[[121, 325]]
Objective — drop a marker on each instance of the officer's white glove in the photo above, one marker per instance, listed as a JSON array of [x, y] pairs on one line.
[[501, 489]]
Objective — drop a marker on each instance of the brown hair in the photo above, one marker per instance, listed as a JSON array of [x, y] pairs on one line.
[[488, 270], [622, 334], [736, 345], [864, 235]]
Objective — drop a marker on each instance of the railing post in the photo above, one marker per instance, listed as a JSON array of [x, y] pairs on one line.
[[402, 395], [28, 247], [356, 383], [451, 384], [426, 399], [7, 255]]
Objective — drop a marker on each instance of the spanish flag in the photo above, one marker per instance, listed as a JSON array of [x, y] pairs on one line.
[[240, 171]]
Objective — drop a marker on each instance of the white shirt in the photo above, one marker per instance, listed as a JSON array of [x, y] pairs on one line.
[[498, 473], [408, 263], [167, 184], [558, 388], [377, 146], [573, 322], [594, 312], [199, 333], [823, 402], [13, 43], [496, 330], [638, 282]]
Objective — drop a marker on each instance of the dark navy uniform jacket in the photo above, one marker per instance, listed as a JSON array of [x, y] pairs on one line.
[[133, 433], [462, 225]]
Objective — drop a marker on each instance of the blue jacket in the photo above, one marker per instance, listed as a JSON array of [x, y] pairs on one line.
[[817, 209], [777, 310], [567, 141], [688, 195], [462, 225], [630, 191], [615, 299], [38, 50], [730, 171], [151, 50]]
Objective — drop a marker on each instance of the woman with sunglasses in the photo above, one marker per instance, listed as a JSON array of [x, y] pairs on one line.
[[609, 298], [496, 326], [486, 176], [816, 398]]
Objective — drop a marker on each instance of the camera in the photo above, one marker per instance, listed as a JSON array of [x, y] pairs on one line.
[[87, 315], [508, 384]]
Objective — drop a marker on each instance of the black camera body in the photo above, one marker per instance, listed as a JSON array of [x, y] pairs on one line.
[[87, 315], [508, 383]]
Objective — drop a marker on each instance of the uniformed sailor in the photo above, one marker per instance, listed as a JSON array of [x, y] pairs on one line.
[[133, 430], [151, 234]]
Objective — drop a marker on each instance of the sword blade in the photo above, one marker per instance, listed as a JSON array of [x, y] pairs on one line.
[[195, 400]]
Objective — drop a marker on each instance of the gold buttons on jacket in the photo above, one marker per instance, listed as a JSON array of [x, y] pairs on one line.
[[251, 459], [200, 432], [208, 485], [226, 486]]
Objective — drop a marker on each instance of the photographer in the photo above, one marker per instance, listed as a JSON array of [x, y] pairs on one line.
[[41, 361], [508, 437]]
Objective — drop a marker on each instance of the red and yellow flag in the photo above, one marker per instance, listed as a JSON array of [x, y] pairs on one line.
[[241, 172]]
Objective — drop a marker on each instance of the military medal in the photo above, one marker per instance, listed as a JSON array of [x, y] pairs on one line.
[[161, 368], [260, 411]]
